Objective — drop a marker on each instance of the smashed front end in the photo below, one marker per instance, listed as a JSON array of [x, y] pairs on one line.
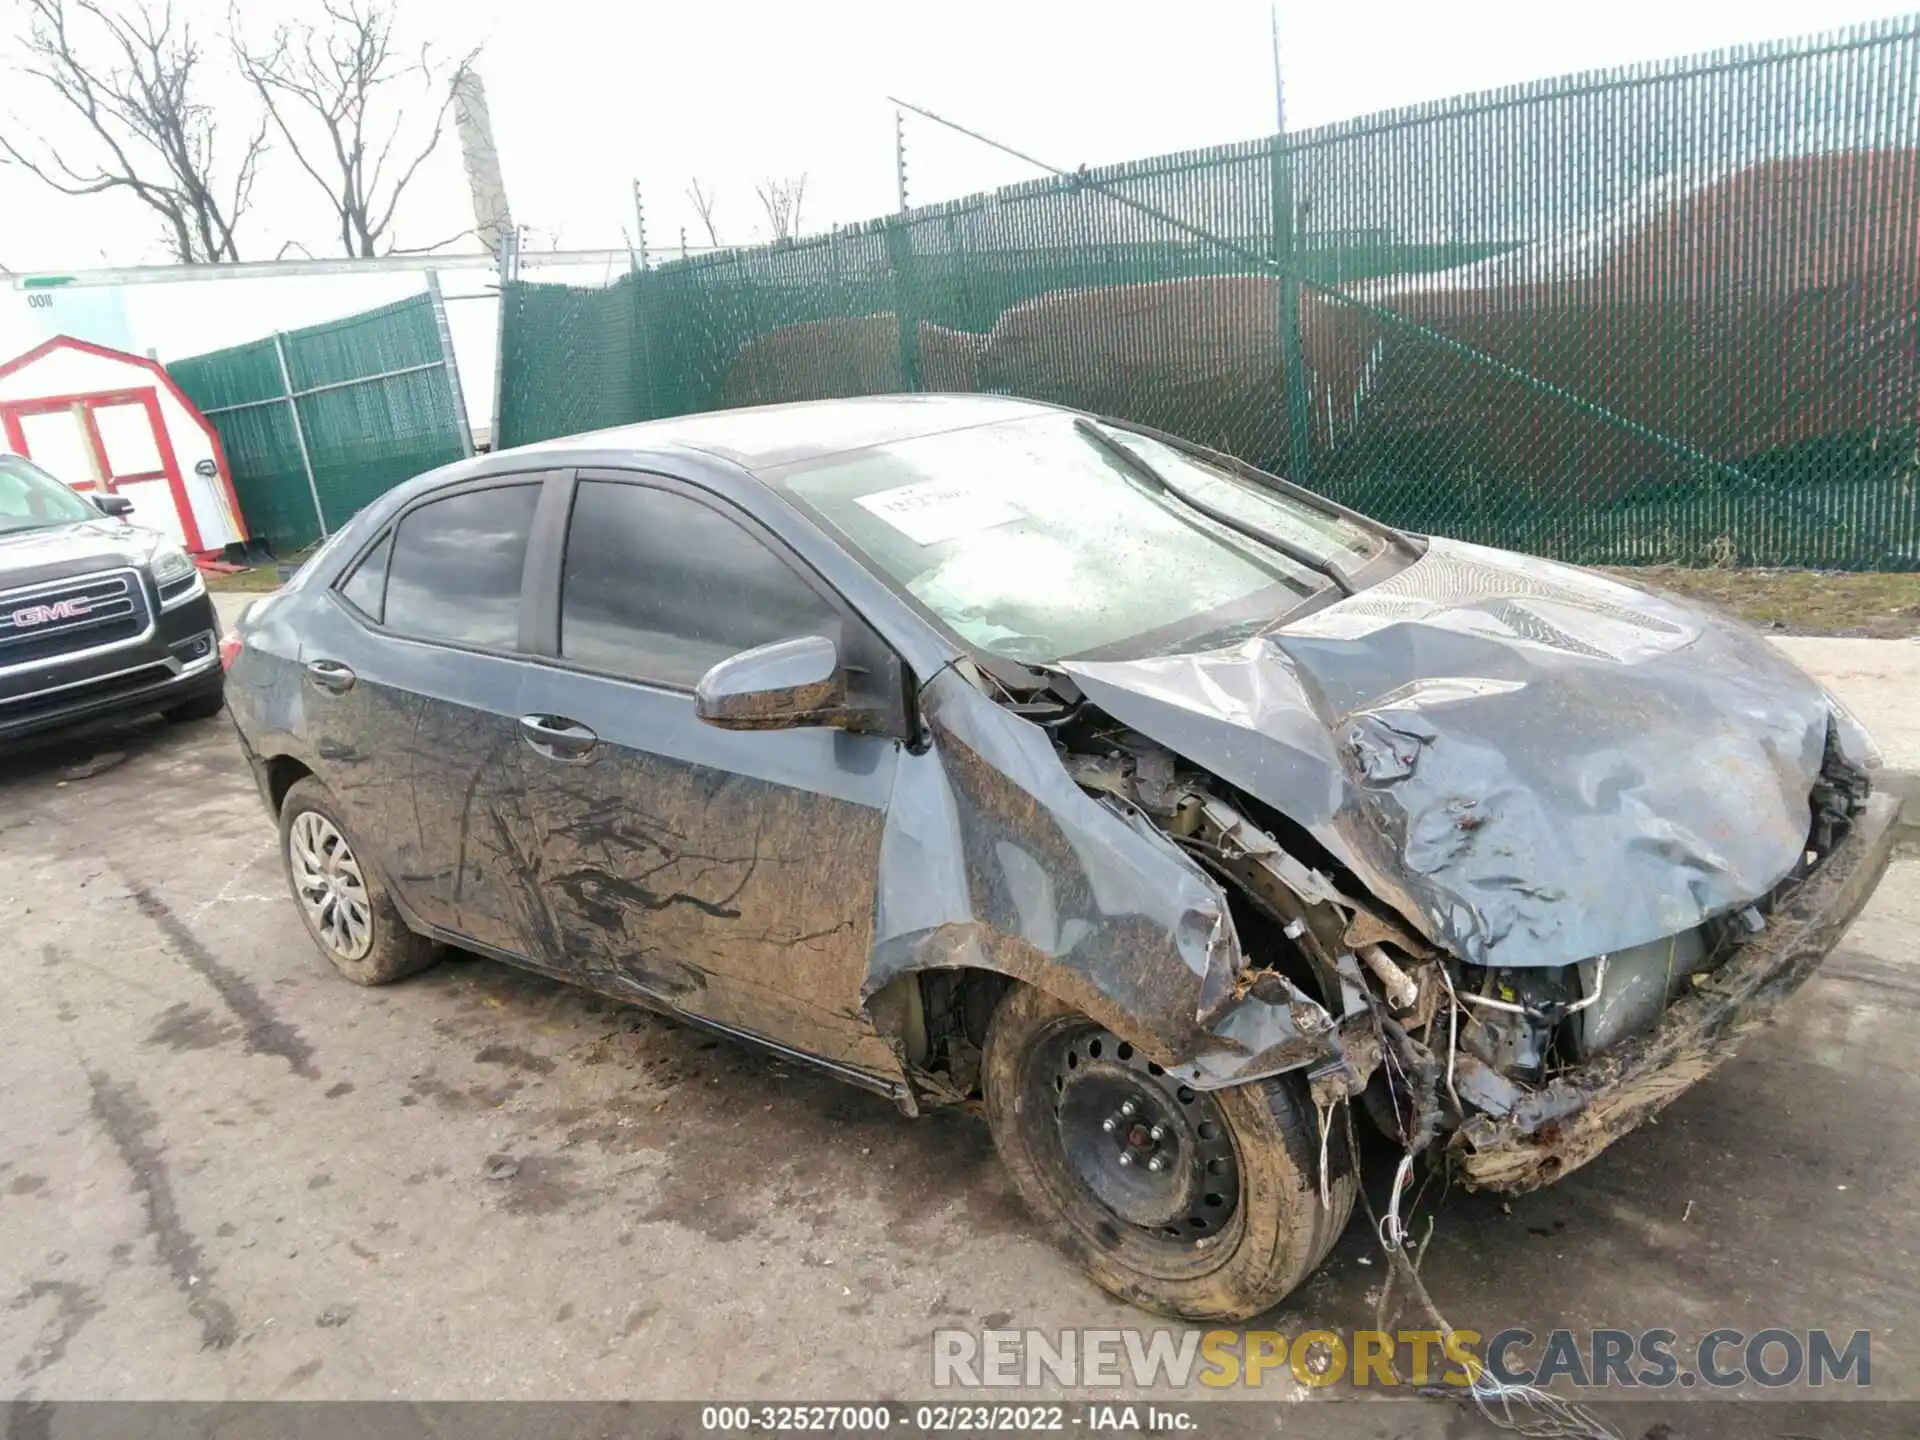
[[1522, 1073], [1541, 847], [1650, 1023]]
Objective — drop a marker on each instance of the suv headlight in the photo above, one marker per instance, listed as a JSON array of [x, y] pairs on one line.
[[170, 563], [172, 566]]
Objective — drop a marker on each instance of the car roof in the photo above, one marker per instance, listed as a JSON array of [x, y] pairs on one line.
[[743, 445], [767, 437]]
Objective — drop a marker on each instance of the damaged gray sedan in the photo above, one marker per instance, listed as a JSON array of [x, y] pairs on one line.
[[966, 747]]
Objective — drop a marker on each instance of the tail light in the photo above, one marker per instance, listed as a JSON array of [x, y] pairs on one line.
[[230, 645]]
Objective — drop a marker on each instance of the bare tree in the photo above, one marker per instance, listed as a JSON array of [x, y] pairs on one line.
[[780, 199], [131, 77], [340, 95], [703, 205]]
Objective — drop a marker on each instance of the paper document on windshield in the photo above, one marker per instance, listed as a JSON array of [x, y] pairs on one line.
[[935, 510]]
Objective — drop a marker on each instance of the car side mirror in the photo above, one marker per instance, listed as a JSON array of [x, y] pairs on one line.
[[111, 504], [781, 686]]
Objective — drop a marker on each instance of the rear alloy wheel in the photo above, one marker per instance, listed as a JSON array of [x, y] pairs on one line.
[[344, 903], [330, 885], [1203, 1205]]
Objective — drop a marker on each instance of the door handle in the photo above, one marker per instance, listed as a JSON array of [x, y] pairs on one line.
[[331, 676], [557, 737]]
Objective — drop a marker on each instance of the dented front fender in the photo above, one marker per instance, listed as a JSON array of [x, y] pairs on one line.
[[993, 857]]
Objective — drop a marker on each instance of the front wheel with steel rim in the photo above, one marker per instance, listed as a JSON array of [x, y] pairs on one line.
[[1203, 1205], [342, 899]]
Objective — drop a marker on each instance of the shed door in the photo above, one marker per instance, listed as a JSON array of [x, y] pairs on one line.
[[56, 440], [114, 440]]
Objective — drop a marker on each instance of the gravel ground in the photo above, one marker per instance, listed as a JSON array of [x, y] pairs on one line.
[[225, 1173]]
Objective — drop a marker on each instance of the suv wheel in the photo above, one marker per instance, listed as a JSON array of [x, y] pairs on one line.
[[1199, 1204], [342, 900]]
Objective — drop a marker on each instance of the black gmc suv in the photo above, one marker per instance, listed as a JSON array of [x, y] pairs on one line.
[[97, 616]]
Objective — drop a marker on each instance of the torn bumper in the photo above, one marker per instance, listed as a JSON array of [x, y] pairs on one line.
[[1542, 1134]]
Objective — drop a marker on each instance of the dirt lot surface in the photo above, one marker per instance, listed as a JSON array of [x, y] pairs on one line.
[[1799, 602], [225, 1173]]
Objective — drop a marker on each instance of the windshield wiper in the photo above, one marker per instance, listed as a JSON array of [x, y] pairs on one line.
[[1299, 554]]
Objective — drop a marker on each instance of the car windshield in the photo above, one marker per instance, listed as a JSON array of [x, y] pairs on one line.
[[1031, 540], [31, 499]]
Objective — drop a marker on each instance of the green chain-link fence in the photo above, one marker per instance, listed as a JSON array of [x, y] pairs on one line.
[[1662, 314], [317, 422]]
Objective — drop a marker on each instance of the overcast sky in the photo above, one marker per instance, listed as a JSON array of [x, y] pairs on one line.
[[588, 95]]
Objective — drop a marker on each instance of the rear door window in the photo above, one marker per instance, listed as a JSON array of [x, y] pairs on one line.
[[657, 586], [455, 573], [366, 588]]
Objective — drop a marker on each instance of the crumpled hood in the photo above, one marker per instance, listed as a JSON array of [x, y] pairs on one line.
[[55, 552], [1534, 764]]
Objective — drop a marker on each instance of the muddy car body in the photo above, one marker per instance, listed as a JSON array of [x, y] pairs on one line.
[[965, 746]]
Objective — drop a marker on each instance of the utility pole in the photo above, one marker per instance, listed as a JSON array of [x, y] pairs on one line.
[[900, 157], [492, 216]]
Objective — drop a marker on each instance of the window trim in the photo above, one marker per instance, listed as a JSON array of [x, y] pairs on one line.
[[545, 479], [552, 575]]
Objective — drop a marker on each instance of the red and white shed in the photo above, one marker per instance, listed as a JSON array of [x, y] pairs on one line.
[[102, 419]]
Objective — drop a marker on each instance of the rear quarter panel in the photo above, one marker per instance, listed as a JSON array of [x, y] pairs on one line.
[[263, 690]]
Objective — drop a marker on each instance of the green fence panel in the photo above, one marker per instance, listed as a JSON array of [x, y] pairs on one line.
[[570, 361], [1662, 314], [374, 401], [366, 437], [240, 375]]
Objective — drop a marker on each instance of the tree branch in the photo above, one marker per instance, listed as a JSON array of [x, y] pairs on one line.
[[780, 200], [326, 88], [452, 82], [704, 202], [429, 249], [133, 87]]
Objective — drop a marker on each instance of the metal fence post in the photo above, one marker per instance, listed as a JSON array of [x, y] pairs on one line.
[[900, 262], [646, 302], [1293, 362], [299, 430], [900, 157], [508, 241], [445, 332]]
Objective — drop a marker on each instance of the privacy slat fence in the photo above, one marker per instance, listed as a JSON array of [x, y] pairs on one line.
[[1662, 314], [317, 422]]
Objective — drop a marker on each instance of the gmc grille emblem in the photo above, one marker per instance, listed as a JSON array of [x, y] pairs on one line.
[[28, 616]]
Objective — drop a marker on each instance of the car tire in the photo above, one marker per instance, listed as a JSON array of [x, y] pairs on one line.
[[1238, 1222], [343, 901], [204, 706]]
